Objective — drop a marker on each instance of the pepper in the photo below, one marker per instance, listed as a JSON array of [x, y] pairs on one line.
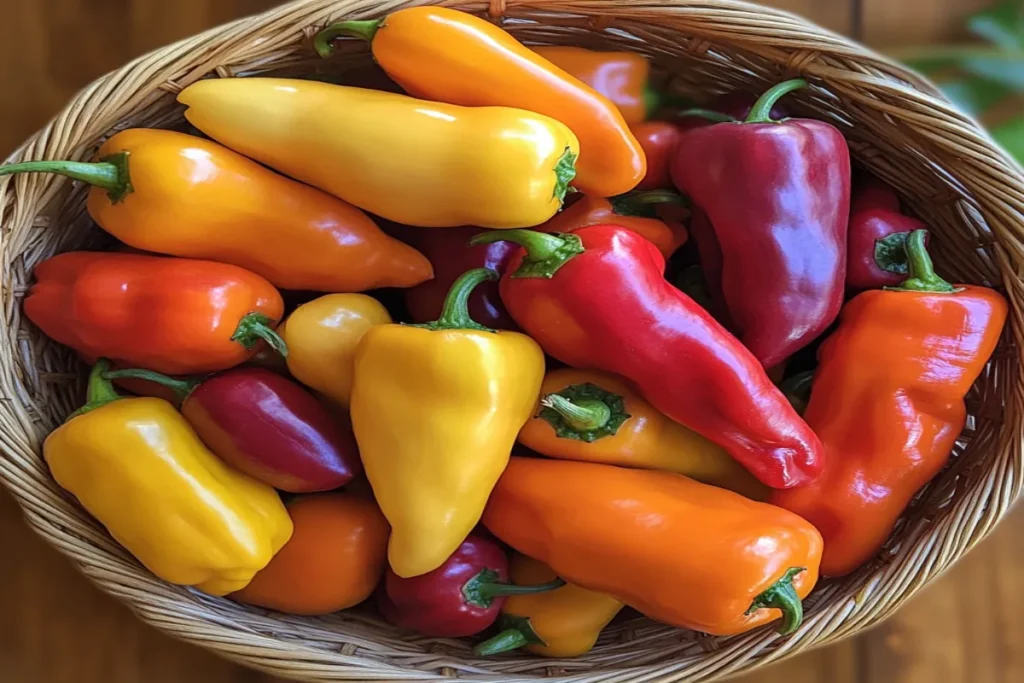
[[888, 403], [658, 140], [449, 251], [171, 193], [175, 316], [322, 336], [622, 77], [655, 215], [678, 551], [484, 66], [136, 466], [460, 598], [777, 194], [333, 561], [876, 257], [596, 417], [436, 409], [605, 283], [563, 623], [411, 161], [728, 107], [710, 254], [266, 426]]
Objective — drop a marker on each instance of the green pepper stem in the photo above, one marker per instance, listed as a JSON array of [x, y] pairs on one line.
[[782, 595], [545, 253], [920, 269], [635, 203], [181, 387], [565, 171], [709, 114], [585, 415], [455, 311], [506, 641], [110, 173], [652, 100], [100, 390], [500, 590], [323, 42], [256, 326], [761, 112]]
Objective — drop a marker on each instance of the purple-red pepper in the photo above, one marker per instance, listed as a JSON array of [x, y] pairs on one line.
[[266, 426], [777, 194], [605, 283], [460, 598], [876, 256]]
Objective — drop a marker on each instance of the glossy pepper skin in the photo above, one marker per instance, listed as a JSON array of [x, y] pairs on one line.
[[622, 77], [777, 194], [436, 409], [563, 623], [681, 552], [448, 249], [323, 335], [658, 140], [597, 417], [604, 282], [460, 598], [175, 316], [333, 561], [136, 465], [485, 66], [655, 216], [411, 161], [878, 230], [267, 426], [176, 194], [888, 403]]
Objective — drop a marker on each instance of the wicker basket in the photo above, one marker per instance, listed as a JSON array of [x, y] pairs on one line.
[[898, 126]]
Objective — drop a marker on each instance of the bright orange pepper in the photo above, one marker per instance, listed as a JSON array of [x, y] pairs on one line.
[[483, 65], [622, 77]]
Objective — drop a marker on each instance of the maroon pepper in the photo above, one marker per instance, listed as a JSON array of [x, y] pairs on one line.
[[777, 194], [448, 251], [266, 426], [460, 598], [876, 256], [596, 299]]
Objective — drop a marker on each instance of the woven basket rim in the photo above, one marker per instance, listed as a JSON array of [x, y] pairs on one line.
[[988, 176]]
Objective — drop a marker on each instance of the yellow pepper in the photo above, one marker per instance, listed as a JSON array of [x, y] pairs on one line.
[[565, 622], [597, 417], [138, 467], [322, 336], [436, 409], [411, 161]]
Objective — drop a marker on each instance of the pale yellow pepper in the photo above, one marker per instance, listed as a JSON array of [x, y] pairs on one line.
[[138, 467], [322, 336]]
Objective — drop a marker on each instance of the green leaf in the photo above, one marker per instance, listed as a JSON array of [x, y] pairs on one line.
[[975, 95], [1002, 24], [1007, 69], [1011, 136]]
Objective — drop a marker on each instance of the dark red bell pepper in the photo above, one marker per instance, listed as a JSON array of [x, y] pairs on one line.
[[777, 194], [596, 298], [267, 426], [658, 139], [448, 251], [876, 257], [460, 598]]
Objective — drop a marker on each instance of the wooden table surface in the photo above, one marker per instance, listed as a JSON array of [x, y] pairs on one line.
[[55, 627]]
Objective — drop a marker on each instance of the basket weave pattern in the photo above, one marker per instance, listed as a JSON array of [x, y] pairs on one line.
[[899, 127]]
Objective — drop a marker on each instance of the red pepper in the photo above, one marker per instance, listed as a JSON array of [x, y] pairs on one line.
[[658, 139], [597, 299], [448, 250], [778, 197], [266, 426], [876, 257], [460, 598]]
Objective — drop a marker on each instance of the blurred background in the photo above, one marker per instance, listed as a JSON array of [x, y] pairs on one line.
[[55, 627]]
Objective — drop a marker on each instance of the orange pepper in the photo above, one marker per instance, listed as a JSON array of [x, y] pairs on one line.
[[659, 140], [334, 560], [483, 65], [622, 77], [171, 193], [681, 552], [635, 212], [597, 417]]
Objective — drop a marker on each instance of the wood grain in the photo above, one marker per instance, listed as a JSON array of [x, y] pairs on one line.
[[55, 627]]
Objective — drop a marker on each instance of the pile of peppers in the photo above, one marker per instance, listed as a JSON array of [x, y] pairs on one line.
[[507, 352]]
